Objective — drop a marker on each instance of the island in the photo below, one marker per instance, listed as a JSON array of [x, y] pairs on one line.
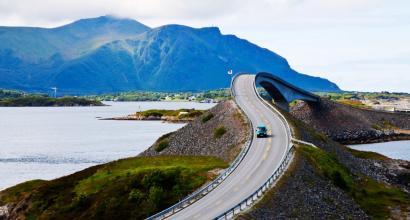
[[179, 115], [20, 99]]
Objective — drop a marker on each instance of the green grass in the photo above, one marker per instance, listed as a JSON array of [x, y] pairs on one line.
[[131, 188], [191, 113], [161, 145], [16, 192], [373, 197], [207, 117], [219, 131], [367, 155], [354, 103]]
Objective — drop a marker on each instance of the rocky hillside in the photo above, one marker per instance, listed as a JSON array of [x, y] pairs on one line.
[[333, 181], [350, 125], [220, 132]]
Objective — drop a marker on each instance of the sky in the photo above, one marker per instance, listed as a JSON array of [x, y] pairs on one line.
[[362, 45]]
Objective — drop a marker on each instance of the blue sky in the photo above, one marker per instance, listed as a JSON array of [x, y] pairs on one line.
[[359, 44]]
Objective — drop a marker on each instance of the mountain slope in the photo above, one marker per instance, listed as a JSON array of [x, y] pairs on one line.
[[37, 44], [108, 54]]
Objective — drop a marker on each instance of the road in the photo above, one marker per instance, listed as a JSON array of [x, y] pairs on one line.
[[264, 156]]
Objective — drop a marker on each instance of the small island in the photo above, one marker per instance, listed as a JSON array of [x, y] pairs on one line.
[[179, 115]]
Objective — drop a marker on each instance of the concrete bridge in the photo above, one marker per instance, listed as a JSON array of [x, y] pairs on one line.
[[283, 92]]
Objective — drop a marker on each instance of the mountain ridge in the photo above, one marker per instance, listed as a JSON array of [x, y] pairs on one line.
[[117, 54]]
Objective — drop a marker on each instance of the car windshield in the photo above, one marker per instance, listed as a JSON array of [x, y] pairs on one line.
[[262, 128]]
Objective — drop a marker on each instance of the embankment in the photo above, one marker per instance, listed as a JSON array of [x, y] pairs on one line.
[[334, 182], [349, 125]]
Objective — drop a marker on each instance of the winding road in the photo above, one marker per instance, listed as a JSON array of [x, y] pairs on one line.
[[262, 159]]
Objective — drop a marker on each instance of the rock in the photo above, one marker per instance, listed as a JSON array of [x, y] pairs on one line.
[[197, 137], [4, 212]]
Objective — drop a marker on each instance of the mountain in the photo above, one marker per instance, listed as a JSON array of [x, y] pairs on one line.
[[109, 54]]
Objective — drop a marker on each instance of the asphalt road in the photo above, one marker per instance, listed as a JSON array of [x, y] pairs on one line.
[[263, 158]]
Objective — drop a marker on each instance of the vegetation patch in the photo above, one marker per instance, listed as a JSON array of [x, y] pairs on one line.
[[219, 131], [218, 95], [180, 113], [39, 100], [19, 191], [354, 103], [373, 197], [161, 145], [367, 155], [133, 188], [208, 116]]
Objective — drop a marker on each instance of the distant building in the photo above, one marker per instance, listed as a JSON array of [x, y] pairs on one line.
[[208, 101], [191, 98]]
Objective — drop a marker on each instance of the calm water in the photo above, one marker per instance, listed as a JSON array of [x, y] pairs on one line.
[[49, 142], [393, 149]]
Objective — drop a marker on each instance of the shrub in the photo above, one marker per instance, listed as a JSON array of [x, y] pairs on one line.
[[135, 195], [219, 131], [338, 180], [207, 117], [161, 145]]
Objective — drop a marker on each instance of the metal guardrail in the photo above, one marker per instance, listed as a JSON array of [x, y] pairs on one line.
[[251, 199], [303, 142], [212, 185]]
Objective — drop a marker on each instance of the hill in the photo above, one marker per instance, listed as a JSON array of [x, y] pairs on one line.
[[109, 54], [352, 125]]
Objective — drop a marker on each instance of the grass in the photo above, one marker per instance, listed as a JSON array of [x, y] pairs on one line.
[[367, 155], [354, 103], [373, 197], [132, 188], [18, 191], [161, 145], [207, 117], [219, 131], [190, 113]]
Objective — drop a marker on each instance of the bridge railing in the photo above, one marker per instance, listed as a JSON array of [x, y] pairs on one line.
[[254, 197], [212, 185]]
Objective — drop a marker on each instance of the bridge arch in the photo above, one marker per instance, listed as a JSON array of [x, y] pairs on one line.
[[283, 92]]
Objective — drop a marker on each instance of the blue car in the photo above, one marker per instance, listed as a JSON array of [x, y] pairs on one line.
[[261, 131]]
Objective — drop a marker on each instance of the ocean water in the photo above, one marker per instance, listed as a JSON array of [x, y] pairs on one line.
[[50, 142], [393, 149]]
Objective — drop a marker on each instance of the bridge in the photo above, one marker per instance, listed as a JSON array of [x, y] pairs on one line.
[[260, 163], [283, 92]]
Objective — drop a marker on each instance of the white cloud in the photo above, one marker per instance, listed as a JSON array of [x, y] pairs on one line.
[[316, 36]]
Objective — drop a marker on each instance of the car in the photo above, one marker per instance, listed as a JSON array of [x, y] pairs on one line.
[[261, 131]]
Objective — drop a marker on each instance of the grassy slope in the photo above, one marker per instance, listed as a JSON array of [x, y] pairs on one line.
[[131, 188], [373, 197]]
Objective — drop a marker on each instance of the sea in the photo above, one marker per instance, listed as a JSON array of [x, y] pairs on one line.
[[50, 142], [393, 149]]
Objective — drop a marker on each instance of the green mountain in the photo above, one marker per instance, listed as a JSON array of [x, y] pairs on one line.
[[109, 54]]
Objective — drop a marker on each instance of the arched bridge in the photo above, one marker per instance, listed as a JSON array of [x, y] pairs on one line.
[[283, 92]]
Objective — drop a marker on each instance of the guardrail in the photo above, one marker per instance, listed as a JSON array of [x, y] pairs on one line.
[[209, 187], [250, 200]]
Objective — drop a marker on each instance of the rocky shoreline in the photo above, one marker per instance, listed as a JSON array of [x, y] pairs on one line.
[[349, 125]]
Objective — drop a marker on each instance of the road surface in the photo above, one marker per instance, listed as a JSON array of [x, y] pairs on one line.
[[262, 159]]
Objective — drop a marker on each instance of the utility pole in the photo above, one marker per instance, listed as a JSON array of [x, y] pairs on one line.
[[55, 91]]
